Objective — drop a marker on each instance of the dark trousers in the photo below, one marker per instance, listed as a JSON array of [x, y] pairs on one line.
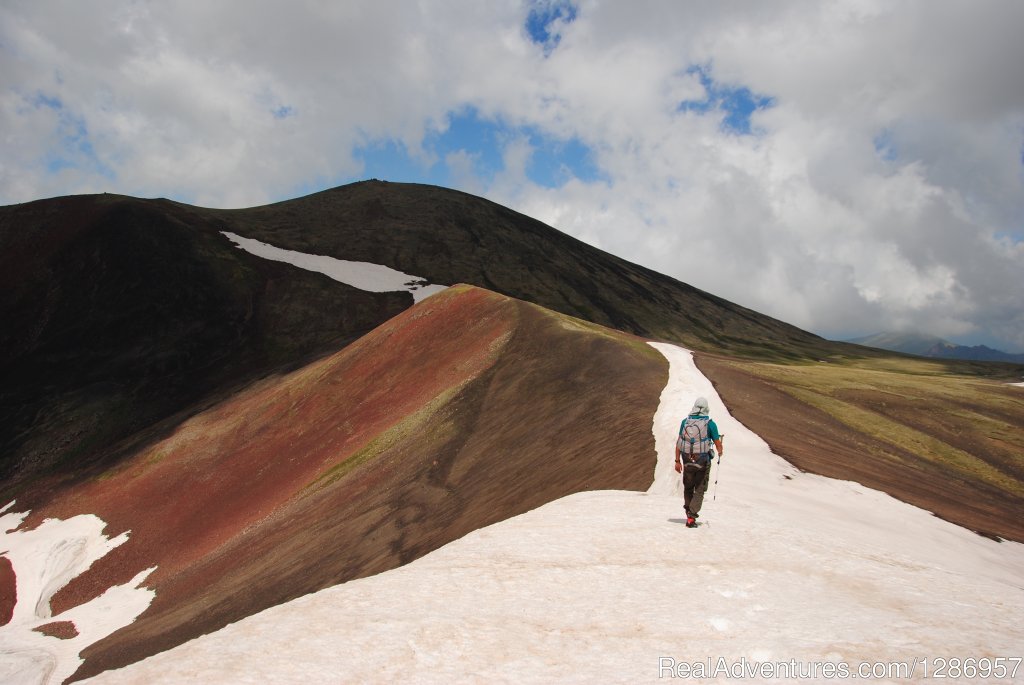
[[695, 484]]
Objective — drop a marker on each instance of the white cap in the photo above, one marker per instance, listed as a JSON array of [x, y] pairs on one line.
[[700, 406]]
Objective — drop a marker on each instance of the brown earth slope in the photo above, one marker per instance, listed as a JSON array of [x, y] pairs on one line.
[[465, 410], [930, 433]]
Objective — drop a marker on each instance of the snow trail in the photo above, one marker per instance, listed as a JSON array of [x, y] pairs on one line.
[[789, 569], [763, 490]]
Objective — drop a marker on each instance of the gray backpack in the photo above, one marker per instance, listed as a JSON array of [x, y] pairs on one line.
[[694, 442]]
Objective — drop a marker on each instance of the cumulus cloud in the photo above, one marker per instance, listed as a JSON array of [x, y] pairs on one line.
[[848, 167]]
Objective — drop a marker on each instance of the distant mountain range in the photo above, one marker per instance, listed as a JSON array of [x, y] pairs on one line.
[[932, 346]]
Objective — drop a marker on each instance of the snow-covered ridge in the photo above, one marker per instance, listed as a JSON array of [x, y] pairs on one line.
[[373, 278], [44, 560], [788, 569]]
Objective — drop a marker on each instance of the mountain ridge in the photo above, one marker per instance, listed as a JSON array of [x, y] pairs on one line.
[[364, 461], [442, 234]]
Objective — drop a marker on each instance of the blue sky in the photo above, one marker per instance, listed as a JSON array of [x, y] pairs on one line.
[[734, 104], [552, 160], [841, 169], [71, 146], [545, 21]]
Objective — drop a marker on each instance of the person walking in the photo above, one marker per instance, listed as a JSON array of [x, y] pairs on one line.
[[694, 455]]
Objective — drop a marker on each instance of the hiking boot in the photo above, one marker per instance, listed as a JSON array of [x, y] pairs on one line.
[[691, 522]]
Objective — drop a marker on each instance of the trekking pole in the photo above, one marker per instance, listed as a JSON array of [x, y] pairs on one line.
[[714, 494]]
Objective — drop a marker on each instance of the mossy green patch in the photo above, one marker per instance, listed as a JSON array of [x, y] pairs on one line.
[[576, 325], [916, 406], [428, 423]]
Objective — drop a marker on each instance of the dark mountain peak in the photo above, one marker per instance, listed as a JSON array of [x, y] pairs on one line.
[[449, 236]]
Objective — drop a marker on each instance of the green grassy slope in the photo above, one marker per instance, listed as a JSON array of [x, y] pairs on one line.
[[946, 436]]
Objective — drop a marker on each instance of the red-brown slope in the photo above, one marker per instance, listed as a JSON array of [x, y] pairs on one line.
[[464, 410], [8, 591], [236, 464]]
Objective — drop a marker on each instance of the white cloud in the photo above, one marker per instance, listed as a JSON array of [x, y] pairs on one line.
[[877, 193]]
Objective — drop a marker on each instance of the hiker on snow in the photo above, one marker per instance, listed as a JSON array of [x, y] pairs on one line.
[[697, 433]]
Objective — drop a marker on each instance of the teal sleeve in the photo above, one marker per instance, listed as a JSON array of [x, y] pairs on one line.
[[713, 431]]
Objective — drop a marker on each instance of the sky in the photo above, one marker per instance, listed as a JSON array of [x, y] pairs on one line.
[[849, 167]]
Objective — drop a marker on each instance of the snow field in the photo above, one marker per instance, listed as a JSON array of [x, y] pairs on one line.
[[373, 278], [601, 586], [45, 559]]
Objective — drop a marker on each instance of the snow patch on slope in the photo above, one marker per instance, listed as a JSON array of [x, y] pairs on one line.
[[44, 560], [373, 278], [607, 586]]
